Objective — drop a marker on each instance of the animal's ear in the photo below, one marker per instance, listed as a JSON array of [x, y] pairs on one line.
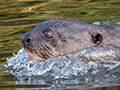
[[97, 38]]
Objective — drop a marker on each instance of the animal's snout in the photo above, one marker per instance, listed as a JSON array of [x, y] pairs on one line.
[[25, 39]]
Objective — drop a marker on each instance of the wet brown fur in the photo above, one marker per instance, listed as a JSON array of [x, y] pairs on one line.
[[68, 36]]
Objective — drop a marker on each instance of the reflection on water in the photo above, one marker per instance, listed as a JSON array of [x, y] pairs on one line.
[[20, 16]]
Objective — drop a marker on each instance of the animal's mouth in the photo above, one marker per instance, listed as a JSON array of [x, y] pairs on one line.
[[33, 56]]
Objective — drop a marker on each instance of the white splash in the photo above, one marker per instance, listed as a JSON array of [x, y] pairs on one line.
[[88, 61]]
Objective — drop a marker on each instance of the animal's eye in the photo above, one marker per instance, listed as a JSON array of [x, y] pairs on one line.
[[48, 33]]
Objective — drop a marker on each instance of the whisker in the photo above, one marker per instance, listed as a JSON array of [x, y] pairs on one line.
[[62, 16], [44, 19], [65, 11], [52, 15], [45, 54], [49, 50], [48, 15]]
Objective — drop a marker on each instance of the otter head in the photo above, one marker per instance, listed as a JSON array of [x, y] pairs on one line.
[[58, 37], [43, 41]]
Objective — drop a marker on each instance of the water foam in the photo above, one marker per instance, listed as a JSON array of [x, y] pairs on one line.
[[113, 23], [88, 61]]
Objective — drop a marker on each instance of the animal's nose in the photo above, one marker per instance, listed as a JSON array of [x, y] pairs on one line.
[[25, 39]]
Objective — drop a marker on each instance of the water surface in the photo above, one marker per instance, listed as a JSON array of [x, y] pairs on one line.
[[20, 16]]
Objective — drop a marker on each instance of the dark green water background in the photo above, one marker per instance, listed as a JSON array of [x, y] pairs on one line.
[[20, 16]]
